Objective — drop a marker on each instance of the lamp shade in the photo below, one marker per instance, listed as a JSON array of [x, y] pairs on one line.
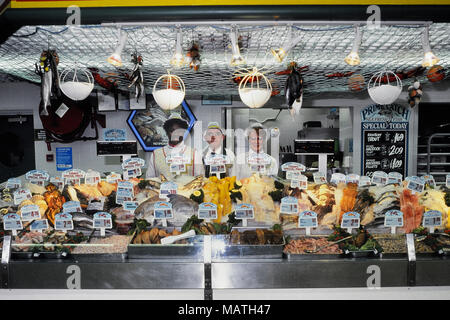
[[169, 91]]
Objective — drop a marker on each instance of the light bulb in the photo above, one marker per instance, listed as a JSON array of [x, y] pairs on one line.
[[429, 59], [282, 52], [115, 58], [236, 58], [178, 58], [353, 57]]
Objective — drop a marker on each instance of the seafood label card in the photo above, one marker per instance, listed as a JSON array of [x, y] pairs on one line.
[[130, 206], [216, 159], [102, 220], [11, 221], [432, 219], [352, 178], [319, 178], [58, 182], [350, 220], [125, 186], [177, 168], [39, 225], [21, 195], [207, 210], [167, 188], [289, 205], [178, 158], [13, 183], [307, 219], [132, 167], [37, 177], [301, 182], [30, 212], [63, 221], [113, 177], [72, 206], [293, 166], [244, 211], [380, 178], [393, 219], [73, 176], [395, 177], [293, 175], [163, 210], [429, 179], [124, 195], [114, 135], [259, 168], [96, 204], [415, 184], [337, 178], [92, 177], [364, 181]]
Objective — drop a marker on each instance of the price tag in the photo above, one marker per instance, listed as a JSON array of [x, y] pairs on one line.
[[21, 195], [319, 178], [30, 212], [13, 183], [393, 219], [293, 175], [301, 183], [63, 221], [178, 158], [167, 188], [102, 221], [352, 178], [92, 177], [244, 211], [447, 181], [177, 168], [217, 169], [293, 166], [125, 186], [395, 177], [364, 181], [163, 211], [58, 182], [113, 177], [337, 178], [432, 219], [307, 219], [96, 204], [207, 211], [130, 206], [11, 221], [429, 179], [39, 225], [289, 205], [379, 178], [132, 163], [73, 176], [258, 168], [415, 184], [123, 195], [350, 220], [72, 206], [37, 177]]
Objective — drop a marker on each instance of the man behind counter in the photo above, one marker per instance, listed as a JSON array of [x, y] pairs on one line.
[[214, 137], [158, 160], [256, 140]]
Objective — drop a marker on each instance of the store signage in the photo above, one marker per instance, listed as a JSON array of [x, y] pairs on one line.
[[350, 220], [177, 162], [63, 221], [207, 210], [12, 222], [364, 181], [432, 219], [384, 139], [379, 178], [217, 163], [39, 225], [58, 182], [415, 184], [293, 166], [307, 219], [92, 177], [96, 204], [21, 195], [72, 206], [394, 177], [102, 221], [64, 158], [163, 210], [352, 178], [73, 176], [124, 195], [130, 206], [37, 177], [429, 179], [244, 211], [13, 183], [337, 178], [167, 188], [301, 182], [125, 186], [30, 212], [114, 135], [393, 219], [289, 205], [319, 178]]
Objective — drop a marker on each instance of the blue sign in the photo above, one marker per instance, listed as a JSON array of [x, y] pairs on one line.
[[114, 135], [64, 158]]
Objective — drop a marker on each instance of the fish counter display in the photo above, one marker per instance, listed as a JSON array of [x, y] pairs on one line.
[[138, 225]]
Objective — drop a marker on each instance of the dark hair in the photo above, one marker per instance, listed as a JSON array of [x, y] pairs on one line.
[[259, 129], [168, 125]]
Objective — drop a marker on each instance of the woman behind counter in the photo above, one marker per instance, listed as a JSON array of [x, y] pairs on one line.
[[158, 160]]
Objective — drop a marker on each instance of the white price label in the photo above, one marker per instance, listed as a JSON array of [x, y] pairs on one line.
[[379, 178], [393, 218], [102, 220], [163, 210], [113, 177], [72, 206], [432, 219], [364, 181], [350, 220], [167, 188], [447, 181], [395, 177], [415, 184], [429, 179], [92, 177], [63, 221], [319, 178], [58, 182], [96, 205], [21, 195], [13, 183], [244, 211], [11, 221], [39, 225], [30, 212], [177, 168], [307, 219], [207, 210], [130, 206], [337, 178], [123, 195], [289, 205], [352, 178]]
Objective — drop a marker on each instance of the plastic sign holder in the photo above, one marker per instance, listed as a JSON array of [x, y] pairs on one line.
[[37, 177], [432, 219], [113, 177], [63, 222], [258, 162], [167, 188], [72, 206], [21, 195], [379, 178], [217, 164], [415, 184], [352, 178], [289, 205], [393, 219], [350, 220], [39, 225], [73, 176], [163, 211], [132, 167], [308, 220], [319, 178], [58, 182], [12, 222], [364, 181], [177, 162], [395, 177], [13, 183], [130, 206], [207, 211], [337, 178], [30, 212], [102, 221], [92, 177], [429, 179], [244, 212]]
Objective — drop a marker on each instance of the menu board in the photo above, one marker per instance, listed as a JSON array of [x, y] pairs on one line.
[[384, 141]]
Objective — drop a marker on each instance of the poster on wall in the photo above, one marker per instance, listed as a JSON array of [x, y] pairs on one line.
[[64, 158], [384, 139]]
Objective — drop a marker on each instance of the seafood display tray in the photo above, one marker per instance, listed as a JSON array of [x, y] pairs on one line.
[[313, 256], [222, 249]]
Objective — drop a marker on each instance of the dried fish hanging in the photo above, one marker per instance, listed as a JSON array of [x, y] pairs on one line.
[[137, 78], [48, 72]]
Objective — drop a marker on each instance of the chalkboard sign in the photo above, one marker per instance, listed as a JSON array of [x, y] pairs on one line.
[[384, 139]]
